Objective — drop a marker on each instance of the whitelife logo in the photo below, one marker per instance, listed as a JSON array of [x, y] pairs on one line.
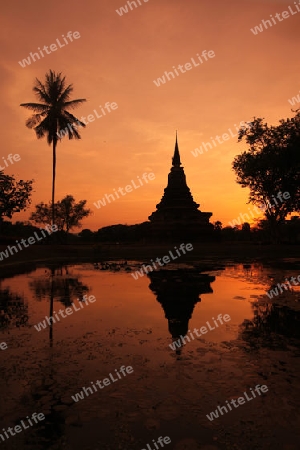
[[215, 414], [68, 311], [90, 118], [268, 205], [18, 428], [267, 23], [124, 9], [127, 188], [105, 381], [3, 346], [160, 441], [203, 330], [187, 66], [53, 48], [274, 292], [225, 136], [31, 240], [294, 100], [11, 158], [165, 259]]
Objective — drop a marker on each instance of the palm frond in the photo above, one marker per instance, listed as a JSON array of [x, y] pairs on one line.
[[46, 128], [40, 91], [40, 131], [76, 135], [67, 126], [55, 85], [65, 94], [34, 120], [72, 119], [37, 107], [74, 103]]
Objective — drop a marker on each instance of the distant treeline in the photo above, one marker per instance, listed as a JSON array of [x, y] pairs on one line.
[[141, 233]]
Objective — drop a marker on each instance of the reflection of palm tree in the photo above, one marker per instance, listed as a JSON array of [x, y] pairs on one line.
[[13, 311], [59, 285], [45, 392], [51, 308], [51, 118], [178, 292]]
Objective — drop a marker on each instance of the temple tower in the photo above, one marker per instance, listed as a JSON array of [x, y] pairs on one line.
[[177, 215]]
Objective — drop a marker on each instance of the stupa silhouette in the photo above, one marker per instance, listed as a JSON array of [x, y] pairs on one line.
[[177, 215]]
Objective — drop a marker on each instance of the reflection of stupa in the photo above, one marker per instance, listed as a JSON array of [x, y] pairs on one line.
[[178, 292], [177, 215]]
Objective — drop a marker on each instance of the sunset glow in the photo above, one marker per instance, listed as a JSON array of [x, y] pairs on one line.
[[113, 60]]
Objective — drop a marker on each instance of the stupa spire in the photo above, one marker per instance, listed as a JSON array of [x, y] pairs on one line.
[[176, 158]]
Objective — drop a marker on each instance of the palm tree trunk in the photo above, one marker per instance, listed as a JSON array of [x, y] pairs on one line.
[[53, 180]]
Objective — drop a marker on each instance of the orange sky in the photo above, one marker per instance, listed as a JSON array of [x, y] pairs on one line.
[[116, 59]]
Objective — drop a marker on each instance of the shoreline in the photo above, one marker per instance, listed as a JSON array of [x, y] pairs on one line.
[[285, 256]]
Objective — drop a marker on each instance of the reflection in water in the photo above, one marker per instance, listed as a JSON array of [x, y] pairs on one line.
[[273, 326], [36, 378], [60, 285], [13, 311], [178, 292], [44, 396], [51, 307]]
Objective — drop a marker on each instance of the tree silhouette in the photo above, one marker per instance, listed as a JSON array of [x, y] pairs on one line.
[[14, 195], [68, 213], [52, 117], [270, 168], [218, 225]]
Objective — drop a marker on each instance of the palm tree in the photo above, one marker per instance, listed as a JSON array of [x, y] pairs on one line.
[[52, 118]]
